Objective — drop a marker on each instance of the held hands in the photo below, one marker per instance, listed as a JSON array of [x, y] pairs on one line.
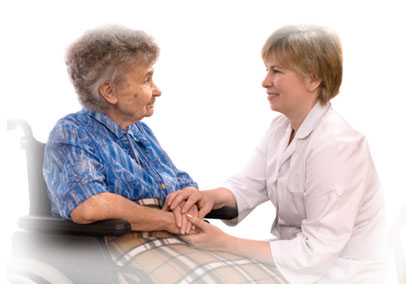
[[188, 198], [189, 206], [181, 220]]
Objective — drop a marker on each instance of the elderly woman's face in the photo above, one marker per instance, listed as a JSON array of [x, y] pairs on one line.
[[135, 95], [287, 91]]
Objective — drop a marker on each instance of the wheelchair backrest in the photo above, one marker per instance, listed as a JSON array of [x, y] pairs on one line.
[[39, 199], [39, 203]]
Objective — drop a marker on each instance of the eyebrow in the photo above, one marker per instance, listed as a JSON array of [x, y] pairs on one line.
[[149, 73], [275, 67]]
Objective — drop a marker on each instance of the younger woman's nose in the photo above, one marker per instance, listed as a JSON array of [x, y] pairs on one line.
[[266, 83]]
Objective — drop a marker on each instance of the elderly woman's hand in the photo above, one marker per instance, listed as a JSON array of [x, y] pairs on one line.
[[208, 236]]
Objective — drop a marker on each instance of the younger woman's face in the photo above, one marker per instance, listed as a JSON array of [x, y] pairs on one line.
[[288, 92]]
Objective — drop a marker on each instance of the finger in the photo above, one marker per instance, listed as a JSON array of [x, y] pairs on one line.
[[190, 226], [194, 212], [165, 206], [193, 199], [185, 224], [198, 222], [182, 195], [187, 239], [170, 197], [178, 218], [191, 239], [190, 189], [204, 211]]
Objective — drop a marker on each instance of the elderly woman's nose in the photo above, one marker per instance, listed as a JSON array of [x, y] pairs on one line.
[[156, 90]]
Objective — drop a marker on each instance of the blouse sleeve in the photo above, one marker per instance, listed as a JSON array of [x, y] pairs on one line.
[[72, 171]]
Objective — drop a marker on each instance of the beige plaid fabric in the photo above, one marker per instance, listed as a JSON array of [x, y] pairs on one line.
[[161, 257]]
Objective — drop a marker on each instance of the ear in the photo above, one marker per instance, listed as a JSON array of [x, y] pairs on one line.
[[106, 91], [312, 83]]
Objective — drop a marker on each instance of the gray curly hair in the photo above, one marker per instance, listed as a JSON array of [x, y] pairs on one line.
[[102, 54]]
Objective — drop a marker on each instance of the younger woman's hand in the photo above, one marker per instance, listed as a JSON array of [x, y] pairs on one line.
[[181, 220], [208, 236], [189, 197]]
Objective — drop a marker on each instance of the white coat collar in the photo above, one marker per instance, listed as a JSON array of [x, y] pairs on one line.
[[311, 120]]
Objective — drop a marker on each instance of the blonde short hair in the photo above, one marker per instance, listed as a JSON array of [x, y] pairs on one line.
[[310, 51]]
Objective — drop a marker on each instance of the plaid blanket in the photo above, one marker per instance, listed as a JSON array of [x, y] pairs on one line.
[[160, 257]]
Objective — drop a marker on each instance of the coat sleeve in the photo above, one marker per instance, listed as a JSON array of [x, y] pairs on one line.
[[249, 185]]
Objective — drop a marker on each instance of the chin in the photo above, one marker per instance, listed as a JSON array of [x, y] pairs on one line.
[[149, 113], [275, 107]]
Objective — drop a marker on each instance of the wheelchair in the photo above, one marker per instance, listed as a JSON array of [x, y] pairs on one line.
[[49, 249]]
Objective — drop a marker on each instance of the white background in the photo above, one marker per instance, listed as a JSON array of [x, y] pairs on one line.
[[213, 110]]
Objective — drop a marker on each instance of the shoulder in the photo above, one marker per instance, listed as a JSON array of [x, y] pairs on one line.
[[142, 126], [334, 129], [337, 156], [70, 129], [335, 137], [145, 130]]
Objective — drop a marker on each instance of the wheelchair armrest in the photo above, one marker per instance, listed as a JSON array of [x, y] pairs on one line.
[[224, 213], [115, 227], [57, 225]]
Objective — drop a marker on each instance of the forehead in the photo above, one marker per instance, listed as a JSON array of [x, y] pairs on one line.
[[138, 68], [274, 59]]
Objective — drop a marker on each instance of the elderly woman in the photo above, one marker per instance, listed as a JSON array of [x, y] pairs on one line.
[[103, 162], [315, 169]]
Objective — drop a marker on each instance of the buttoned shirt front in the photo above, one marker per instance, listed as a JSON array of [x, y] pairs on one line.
[[330, 217], [87, 153]]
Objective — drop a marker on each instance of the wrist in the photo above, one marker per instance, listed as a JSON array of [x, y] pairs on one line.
[[168, 222], [228, 243], [221, 197]]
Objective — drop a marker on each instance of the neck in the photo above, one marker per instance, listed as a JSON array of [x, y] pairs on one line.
[[121, 120], [296, 121], [297, 117]]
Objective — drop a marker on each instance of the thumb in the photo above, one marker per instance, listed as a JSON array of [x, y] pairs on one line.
[[197, 222], [170, 198], [204, 211], [165, 207]]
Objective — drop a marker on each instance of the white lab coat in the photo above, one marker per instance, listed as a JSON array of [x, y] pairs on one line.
[[330, 219]]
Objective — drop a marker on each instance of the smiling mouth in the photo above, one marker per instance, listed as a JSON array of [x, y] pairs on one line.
[[272, 95]]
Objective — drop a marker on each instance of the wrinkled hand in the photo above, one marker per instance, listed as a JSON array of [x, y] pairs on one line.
[[190, 197], [182, 222], [208, 236]]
